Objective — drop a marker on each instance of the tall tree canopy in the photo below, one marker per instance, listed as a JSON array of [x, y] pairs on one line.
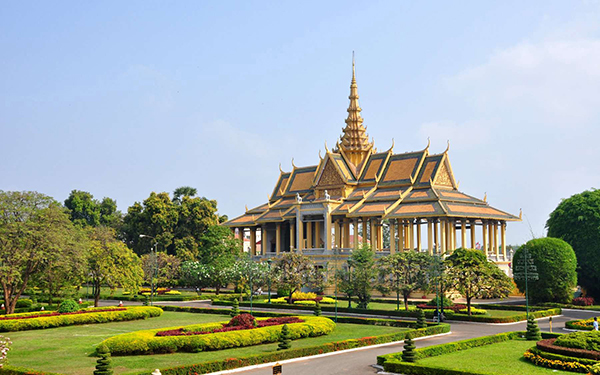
[[405, 272], [293, 271], [87, 211], [577, 221], [362, 274], [34, 231], [176, 226]]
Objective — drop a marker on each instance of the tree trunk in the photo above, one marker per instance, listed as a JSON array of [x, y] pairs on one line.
[[96, 293], [469, 305], [405, 296], [217, 290]]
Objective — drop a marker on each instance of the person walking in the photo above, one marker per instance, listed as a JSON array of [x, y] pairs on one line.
[[595, 323]]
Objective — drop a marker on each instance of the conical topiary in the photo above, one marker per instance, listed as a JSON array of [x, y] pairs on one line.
[[533, 331], [235, 308], [284, 340], [408, 354], [421, 323], [317, 310], [103, 366]]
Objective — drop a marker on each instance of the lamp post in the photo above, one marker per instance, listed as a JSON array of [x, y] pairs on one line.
[[154, 268], [269, 261]]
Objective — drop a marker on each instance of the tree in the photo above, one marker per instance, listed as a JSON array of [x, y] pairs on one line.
[[408, 354], [556, 266], [184, 191], [421, 322], [576, 220], [104, 363], [533, 331], [249, 275], [293, 271], [285, 341], [405, 272], [34, 230], [112, 263], [235, 308], [344, 285], [87, 211], [200, 275], [166, 267], [362, 274], [471, 274]]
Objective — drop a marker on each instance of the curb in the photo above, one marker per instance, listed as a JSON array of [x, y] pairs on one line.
[[292, 360]]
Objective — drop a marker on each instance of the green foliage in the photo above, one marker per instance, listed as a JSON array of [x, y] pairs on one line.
[[580, 340], [284, 340], [445, 301], [562, 358], [408, 354], [68, 306], [470, 273], [533, 331], [235, 308], [103, 365], [577, 221], [293, 271], [86, 211], [405, 272], [362, 274], [163, 268], [556, 267], [317, 310], [421, 322], [146, 342], [112, 263], [131, 313], [35, 231]]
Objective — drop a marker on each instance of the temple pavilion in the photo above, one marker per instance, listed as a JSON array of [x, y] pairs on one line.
[[355, 194]]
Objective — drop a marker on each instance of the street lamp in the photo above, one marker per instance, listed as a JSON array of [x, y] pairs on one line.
[[269, 261], [154, 268]]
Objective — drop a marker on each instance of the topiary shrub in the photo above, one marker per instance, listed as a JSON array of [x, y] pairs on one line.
[[317, 310], [235, 308], [245, 320], [68, 306], [556, 268], [408, 354], [421, 322], [103, 366], [533, 331], [284, 341], [580, 340]]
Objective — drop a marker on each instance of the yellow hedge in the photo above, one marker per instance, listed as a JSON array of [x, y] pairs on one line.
[[131, 313], [146, 342]]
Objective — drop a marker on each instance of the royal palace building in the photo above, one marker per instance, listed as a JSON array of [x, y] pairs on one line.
[[355, 195]]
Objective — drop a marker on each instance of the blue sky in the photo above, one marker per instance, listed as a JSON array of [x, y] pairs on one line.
[[124, 98]]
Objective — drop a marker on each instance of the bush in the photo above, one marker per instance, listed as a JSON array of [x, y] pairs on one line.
[[67, 306], [317, 310], [146, 342], [235, 308], [42, 322], [447, 302], [421, 322], [583, 301], [408, 354], [284, 340], [556, 364], [580, 340], [245, 320], [533, 331], [556, 267], [584, 324], [103, 366], [577, 221]]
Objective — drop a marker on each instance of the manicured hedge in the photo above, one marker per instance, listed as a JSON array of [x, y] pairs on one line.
[[414, 314], [205, 310], [130, 313], [393, 362], [556, 364], [582, 324], [558, 357], [21, 302], [231, 363], [146, 342], [549, 346], [10, 370]]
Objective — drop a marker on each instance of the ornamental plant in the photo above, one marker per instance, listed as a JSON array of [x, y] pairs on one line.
[[5, 344], [317, 310], [533, 331], [103, 365], [235, 308], [67, 306], [421, 323], [408, 354], [284, 341], [245, 320]]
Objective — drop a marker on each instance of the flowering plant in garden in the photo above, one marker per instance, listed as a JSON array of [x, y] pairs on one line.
[[583, 301], [237, 323], [4, 348], [46, 314]]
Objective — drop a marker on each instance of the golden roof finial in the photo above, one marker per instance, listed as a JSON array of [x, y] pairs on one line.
[[428, 144], [520, 214], [447, 148], [246, 208], [293, 165], [280, 170], [320, 157], [485, 197], [354, 141], [326, 148]]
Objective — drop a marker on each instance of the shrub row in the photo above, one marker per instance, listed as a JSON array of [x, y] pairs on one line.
[[558, 357], [548, 346], [556, 364], [10, 370], [583, 324], [205, 310], [414, 313], [130, 313], [146, 342], [21, 302], [231, 363]]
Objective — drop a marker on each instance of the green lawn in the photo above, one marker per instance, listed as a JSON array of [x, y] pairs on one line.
[[504, 358], [67, 349]]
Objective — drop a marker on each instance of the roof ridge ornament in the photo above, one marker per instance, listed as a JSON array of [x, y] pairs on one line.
[[280, 170], [520, 214], [392, 148], [246, 208], [293, 165], [447, 148], [326, 148], [428, 144], [485, 197]]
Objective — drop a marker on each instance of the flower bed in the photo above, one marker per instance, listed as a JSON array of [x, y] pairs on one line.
[[92, 315], [55, 313], [148, 342], [232, 327], [555, 364], [583, 324], [549, 346]]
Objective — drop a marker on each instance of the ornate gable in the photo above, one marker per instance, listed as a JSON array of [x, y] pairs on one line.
[[330, 176], [443, 177]]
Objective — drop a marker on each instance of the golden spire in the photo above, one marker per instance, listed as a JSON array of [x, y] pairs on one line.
[[355, 141]]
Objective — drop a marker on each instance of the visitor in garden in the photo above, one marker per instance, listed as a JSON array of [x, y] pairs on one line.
[[595, 323]]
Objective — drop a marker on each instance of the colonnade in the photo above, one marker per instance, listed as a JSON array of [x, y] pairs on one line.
[[443, 235]]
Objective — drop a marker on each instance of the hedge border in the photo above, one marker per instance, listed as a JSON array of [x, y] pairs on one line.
[[131, 313], [548, 346], [573, 324], [393, 362], [413, 314], [232, 363], [559, 357], [10, 370]]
